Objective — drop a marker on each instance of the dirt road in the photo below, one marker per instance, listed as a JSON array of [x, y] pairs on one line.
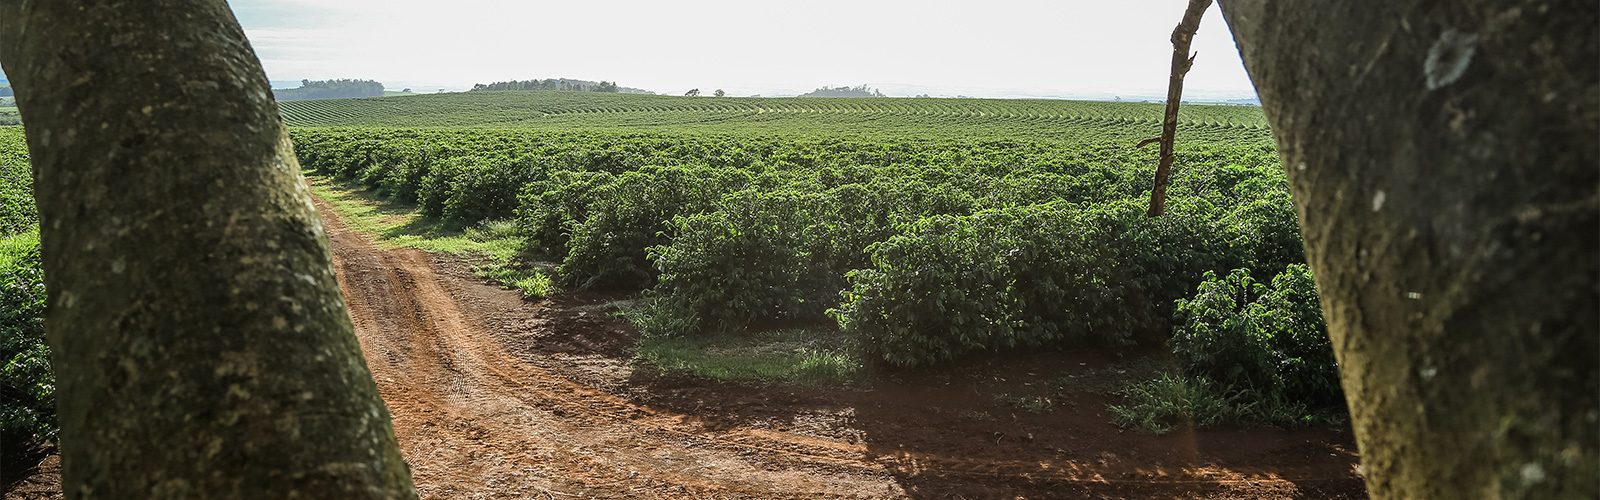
[[493, 396]]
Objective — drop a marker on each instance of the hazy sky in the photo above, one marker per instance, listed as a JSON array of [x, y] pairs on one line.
[[997, 48]]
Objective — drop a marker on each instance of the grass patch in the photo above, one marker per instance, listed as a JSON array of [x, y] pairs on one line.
[[1166, 402], [15, 247], [401, 225], [532, 281], [803, 356], [1158, 406], [496, 246]]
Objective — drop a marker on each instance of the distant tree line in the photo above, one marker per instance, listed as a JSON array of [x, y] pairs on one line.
[[559, 84], [861, 91], [330, 89]]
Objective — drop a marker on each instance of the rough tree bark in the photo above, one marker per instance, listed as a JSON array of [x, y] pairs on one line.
[[1443, 159], [201, 346], [1181, 62]]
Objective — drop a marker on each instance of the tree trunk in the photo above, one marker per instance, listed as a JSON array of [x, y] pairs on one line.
[[1443, 161], [201, 346]]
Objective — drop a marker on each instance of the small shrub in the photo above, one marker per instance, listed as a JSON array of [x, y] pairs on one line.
[[1024, 276], [486, 189], [1218, 336], [434, 189], [1161, 258], [744, 263], [549, 209], [633, 214], [1268, 341], [1292, 318], [401, 182]]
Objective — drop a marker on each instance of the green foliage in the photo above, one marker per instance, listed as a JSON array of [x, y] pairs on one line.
[[746, 262], [27, 387], [1270, 341], [1023, 276], [17, 212], [1269, 344], [751, 359], [635, 213], [783, 255], [1291, 315], [1218, 335], [549, 209], [469, 189]]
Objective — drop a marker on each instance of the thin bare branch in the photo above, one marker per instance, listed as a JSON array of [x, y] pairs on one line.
[[1182, 60]]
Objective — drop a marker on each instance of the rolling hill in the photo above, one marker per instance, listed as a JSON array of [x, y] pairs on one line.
[[1055, 120]]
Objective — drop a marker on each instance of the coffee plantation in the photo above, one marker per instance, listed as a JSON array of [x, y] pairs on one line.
[[919, 231], [929, 249]]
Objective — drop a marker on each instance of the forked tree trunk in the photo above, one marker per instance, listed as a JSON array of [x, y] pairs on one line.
[[1443, 159], [201, 346]]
